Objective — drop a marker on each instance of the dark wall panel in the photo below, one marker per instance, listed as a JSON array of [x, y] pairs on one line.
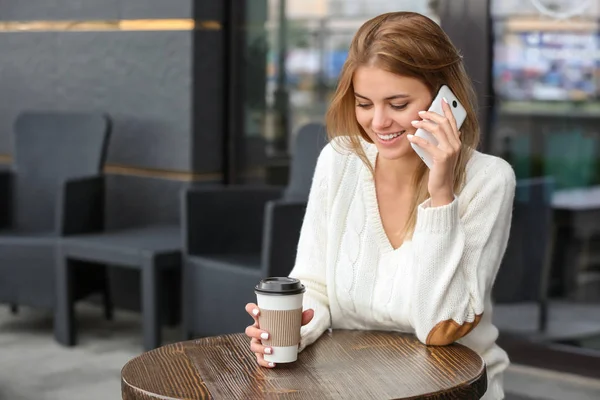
[[136, 9], [142, 79], [211, 9], [15, 10], [27, 77], [208, 102]]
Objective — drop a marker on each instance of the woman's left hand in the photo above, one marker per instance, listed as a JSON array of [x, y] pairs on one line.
[[444, 155]]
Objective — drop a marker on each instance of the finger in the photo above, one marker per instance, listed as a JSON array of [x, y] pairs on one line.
[[307, 316], [446, 122], [256, 333], [446, 119], [436, 130], [257, 347], [425, 145], [443, 123], [263, 363], [455, 137], [449, 115], [253, 310]]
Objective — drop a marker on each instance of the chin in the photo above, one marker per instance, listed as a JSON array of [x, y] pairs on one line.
[[399, 150]]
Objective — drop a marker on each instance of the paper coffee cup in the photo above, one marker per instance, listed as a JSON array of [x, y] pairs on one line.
[[280, 304]]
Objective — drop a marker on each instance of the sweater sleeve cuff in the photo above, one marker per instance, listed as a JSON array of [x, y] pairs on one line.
[[319, 324], [437, 219]]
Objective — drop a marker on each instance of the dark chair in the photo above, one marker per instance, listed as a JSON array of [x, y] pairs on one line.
[[524, 273], [54, 189], [235, 236]]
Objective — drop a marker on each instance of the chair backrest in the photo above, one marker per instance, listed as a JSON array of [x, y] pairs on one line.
[[51, 147], [523, 274], [310, 140]]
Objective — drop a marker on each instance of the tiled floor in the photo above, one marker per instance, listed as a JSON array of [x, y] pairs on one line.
[[33, 366]]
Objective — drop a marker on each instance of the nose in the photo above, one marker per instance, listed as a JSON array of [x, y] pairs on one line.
[[381, 119]]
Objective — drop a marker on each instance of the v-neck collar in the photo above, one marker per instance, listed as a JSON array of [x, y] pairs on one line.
[[370, 196]]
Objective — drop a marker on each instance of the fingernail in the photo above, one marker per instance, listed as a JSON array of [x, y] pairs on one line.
[[446, 100], [268, 350], [421, 112], [264, 335], [271, 364], [415, 122], [255, 311], [410, 136]]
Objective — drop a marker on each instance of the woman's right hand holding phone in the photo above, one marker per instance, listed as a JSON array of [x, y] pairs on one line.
[[256, 334]]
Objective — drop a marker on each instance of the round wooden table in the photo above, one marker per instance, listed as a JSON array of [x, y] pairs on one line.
[[340, 365]]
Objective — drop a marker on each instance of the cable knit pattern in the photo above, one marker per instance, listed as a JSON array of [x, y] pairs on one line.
[[436, 286]]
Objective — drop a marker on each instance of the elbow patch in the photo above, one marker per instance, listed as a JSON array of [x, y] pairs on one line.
[[447, 332]]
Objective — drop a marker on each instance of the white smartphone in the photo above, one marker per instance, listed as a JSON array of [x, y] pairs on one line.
[[459, 112]]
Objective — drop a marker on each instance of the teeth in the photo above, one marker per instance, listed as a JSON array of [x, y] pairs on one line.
[[390, 136]]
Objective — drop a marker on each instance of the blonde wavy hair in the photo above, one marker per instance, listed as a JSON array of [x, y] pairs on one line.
[[407, 44]]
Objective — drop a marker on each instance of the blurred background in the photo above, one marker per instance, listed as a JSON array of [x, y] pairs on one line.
[[170, 104]]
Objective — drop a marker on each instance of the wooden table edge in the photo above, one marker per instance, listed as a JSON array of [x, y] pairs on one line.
[[480, 379], [154, 396]]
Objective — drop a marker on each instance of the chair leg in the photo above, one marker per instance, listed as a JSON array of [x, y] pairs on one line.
[[545, 278], [186, 307], [107, 299], [14, 309], [543, 316], [64, 313], [150, 304], [582, 267]]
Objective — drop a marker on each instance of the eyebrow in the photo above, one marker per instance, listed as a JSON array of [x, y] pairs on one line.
[[396, 96]]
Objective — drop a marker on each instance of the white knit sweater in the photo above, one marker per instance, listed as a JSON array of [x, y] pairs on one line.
[[355, 279]]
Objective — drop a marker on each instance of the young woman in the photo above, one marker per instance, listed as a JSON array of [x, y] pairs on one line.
[[387, 243]]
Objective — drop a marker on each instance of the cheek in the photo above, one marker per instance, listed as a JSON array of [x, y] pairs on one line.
[[406, 118], [363, 118]]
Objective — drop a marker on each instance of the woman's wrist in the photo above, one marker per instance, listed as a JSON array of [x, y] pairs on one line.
[[441, 199]]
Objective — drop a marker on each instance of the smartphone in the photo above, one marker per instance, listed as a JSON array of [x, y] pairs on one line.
[[459, 112]]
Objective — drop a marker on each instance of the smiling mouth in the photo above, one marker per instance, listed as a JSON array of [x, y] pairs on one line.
[[390, 136]]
